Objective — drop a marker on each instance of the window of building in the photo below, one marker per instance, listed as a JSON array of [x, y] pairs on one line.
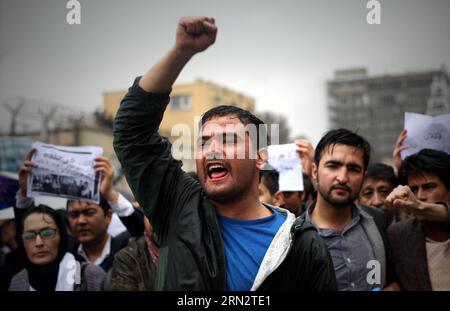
[[181, 102]]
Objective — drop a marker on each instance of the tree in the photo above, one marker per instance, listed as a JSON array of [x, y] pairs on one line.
[[279, 121]]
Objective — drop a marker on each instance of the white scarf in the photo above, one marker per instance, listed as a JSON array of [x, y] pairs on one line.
[[69, 273]]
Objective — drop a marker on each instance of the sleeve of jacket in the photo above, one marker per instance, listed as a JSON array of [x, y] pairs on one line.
[[134, 223], [123, 274], [132, 269], [145, 156]]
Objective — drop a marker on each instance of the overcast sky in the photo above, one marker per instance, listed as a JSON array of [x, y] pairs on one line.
[[280, 52]]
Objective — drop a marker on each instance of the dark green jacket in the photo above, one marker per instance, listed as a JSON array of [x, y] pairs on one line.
[[191, 255]]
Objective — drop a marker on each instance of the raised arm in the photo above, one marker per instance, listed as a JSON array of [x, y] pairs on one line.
[[399, 147], [146, 158], [403, 198], [132, 218], [194, 35], [306, 151]]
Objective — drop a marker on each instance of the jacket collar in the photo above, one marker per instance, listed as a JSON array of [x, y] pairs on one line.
[[278, 248]]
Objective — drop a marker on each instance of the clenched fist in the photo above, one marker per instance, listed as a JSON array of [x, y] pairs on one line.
[[195, 34]]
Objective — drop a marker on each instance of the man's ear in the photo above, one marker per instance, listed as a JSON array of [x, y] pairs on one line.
[[108, 215], [302, 195], [263, 157], [279, 198], [314, 175]]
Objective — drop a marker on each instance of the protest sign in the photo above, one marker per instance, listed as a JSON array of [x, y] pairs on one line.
[[286, 160], [426, 132], [64, 171]]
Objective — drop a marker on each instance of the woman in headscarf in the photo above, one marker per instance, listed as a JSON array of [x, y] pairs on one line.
[[48, 265]]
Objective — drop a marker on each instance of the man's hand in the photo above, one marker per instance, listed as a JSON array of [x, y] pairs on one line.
[[306, 151], [195, 34], [103, 166], [404, 199], [396, 157], [24, 170]]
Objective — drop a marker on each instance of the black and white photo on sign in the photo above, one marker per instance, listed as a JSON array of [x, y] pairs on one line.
[[64, 171]]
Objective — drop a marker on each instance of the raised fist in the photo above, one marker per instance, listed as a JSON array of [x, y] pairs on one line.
[[195, 34]]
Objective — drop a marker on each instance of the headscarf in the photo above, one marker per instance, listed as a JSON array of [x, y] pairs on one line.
[[44, 278]]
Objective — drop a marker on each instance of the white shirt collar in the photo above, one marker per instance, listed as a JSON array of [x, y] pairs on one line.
[[105, 252]]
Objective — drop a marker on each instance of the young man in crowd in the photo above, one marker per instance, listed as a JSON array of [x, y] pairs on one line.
[[294, 201], [216, 234], [268, 186], [379, 182], [355, 235], [421, 244]]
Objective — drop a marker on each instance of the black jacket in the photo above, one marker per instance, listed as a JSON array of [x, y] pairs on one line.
[[191, 254]]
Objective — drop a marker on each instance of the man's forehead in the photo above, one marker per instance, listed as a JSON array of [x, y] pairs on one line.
[[376, 182], [418, 178], [222, 121], [80, 205], [335, 150], [224, 125]]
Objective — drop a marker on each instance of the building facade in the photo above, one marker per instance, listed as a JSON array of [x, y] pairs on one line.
[[375, 106]]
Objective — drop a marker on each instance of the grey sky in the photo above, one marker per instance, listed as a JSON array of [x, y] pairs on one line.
[[281, 53]]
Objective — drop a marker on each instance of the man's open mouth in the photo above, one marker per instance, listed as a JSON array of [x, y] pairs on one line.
[[216, 171]]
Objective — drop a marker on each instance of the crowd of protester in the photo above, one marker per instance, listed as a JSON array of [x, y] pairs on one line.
[[356, 226]]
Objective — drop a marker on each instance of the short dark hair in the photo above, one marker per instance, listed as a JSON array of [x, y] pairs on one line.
[[344, 137], [426, 161], [270, 179], [381, 171], [246, 117], [103, 204]]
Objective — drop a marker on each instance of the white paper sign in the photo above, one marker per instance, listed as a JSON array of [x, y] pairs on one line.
[[426, 132], [286, 160], [65, 172]]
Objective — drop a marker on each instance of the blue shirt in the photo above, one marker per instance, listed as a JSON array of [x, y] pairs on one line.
[[246, 243]]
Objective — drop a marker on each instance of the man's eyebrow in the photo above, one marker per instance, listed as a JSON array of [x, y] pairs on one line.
[[203, 137], [333, 162], [231, 134], [429, 183], [354, 165]]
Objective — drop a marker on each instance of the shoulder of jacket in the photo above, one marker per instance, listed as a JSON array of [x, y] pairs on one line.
[[403, 226], [136, 248], [119, 241], [92, 277], [19, 276], [374, 212], [19, 282], [301, 225]]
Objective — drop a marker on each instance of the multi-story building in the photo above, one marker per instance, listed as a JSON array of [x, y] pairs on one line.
[[375, 106], [187, 103]]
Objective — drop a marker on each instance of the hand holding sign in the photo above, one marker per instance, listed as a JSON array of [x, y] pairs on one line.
[[286, 160], [426, 132], [64, 171]]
